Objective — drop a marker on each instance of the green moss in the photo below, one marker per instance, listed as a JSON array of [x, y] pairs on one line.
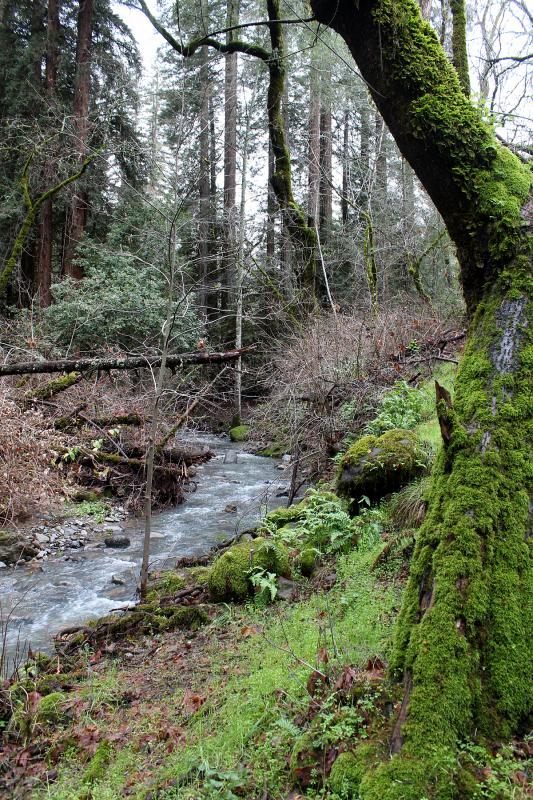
[[229, 576], [240, 433], [377, 465], [96, 769], [273, 450], [53, 387], [463, 631], [281, 516], [188, 617], [348, 770], [166, 585], [306, 561], [490, 182], [51, 708]]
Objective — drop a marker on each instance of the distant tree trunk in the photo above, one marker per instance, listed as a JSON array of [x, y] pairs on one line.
[[272, 208], [345, 167], [459, 50], [326, 193], [230, 159], [363, 169], [313, 181], [46, 233], [204, 191], [463, 639], [82, 91], [285, 237]]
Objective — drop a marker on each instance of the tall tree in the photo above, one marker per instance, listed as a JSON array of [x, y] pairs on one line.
[[46, 232], [230, 155], [463, 643], [82, 93]]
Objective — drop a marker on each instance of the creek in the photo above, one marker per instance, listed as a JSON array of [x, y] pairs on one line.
[[59, 593]]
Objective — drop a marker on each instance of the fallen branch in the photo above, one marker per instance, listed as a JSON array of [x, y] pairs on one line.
[[127, 362], [77, 420]]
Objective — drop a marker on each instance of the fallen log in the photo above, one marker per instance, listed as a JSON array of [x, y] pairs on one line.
[[76, 421], [53, 387], [174, 362]]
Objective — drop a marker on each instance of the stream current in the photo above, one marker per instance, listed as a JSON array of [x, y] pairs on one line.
[[62, 592]]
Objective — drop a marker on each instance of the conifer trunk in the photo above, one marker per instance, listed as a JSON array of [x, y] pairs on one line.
[[82, 90], [44, 255], [463, 641]]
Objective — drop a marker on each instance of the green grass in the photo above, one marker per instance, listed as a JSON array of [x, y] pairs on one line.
[[428, 429], [97, 509], [248, 720]]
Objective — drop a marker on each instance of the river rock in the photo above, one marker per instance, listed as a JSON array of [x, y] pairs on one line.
[[230, 458], [286, 589], [41, 538], [230, 509], [118, 580], [13, 548], [3, 565], [117, 541]]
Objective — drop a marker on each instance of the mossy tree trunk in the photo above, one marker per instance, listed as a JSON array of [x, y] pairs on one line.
[[462, 643]]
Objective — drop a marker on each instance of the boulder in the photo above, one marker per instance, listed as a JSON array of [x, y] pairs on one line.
[[229, 577], [117, 541], [378, 465], [240, 433], [13, 548]]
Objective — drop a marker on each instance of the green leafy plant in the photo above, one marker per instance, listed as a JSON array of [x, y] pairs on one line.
[[265, 583], [401, 407]]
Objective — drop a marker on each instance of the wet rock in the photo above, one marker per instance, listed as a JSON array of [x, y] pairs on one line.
[[41, 538], [13, 548], [230, 509], [3, 565], [118, 580], [117, 541], [230, 458], [286, 589], [111, 528]]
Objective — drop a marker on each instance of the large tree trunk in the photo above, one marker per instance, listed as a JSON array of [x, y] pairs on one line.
[[462, 644], [204, 195], [82, 91], [230, 160], [46, 233]]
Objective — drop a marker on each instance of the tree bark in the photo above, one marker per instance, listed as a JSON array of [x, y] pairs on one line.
[[345, 167], [82, 91], [230, 159], [463, 640], [204, 195], [46, 233], [326, 192], [313, 180]]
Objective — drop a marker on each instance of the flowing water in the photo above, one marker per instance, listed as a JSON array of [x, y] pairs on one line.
[[64, 593]]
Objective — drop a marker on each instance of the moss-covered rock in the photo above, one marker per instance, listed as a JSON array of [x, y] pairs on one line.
[[52, 708], [348, 770], [240, 433], [378, 465], [273, 450], [229, 577], [307, 560], [282, 516]]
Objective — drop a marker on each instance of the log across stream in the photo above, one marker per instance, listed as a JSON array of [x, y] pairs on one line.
[[64, 593]]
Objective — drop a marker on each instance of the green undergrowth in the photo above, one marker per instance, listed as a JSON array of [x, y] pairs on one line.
[[245, 730]]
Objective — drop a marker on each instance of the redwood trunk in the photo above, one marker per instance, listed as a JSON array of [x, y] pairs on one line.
[[79, 205]]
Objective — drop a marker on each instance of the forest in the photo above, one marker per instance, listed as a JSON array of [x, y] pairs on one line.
[[266, 474]]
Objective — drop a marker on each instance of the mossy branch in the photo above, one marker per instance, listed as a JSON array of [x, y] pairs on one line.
[[33, 207]]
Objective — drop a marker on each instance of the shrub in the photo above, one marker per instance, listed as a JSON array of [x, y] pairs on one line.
[[401, 407], [120, 302]]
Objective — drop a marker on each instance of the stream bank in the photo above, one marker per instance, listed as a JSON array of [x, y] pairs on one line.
[[234, 489]]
